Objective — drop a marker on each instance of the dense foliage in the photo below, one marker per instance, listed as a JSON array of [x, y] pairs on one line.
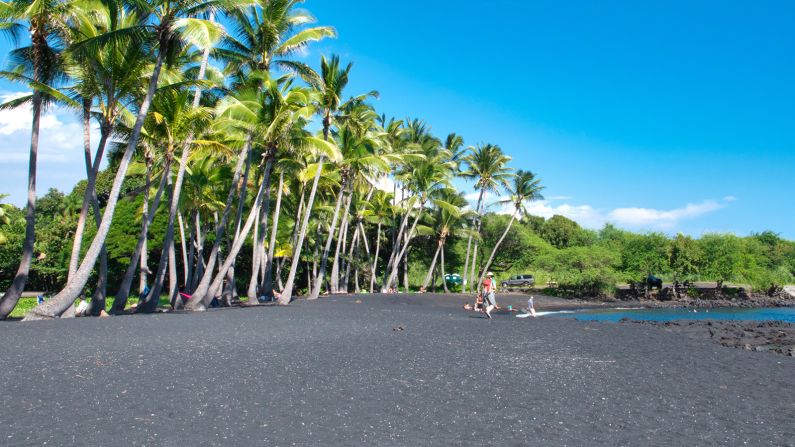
[[589, 263]]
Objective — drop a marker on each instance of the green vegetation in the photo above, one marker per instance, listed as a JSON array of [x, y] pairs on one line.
[[235, 169], [591, 263]]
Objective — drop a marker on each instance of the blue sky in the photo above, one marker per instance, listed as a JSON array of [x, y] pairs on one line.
[[658, 116]]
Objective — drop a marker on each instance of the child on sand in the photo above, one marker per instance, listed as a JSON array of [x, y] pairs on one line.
[[530, 311]]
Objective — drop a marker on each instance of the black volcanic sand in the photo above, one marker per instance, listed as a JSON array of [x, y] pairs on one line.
[[340, 371], [765, 336]]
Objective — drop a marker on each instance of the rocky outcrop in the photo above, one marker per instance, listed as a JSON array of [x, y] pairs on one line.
[[768, 336], [789, 292]]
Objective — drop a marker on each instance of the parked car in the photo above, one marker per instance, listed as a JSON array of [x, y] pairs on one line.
[[519, 281]]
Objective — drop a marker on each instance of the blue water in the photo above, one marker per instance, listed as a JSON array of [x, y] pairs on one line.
[[614, 315]]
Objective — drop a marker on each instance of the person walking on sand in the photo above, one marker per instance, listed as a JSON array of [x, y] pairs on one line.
[[489, 298]]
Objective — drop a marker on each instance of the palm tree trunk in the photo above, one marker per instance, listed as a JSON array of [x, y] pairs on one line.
[[183, 243], [497, 247], [375, 257], [268, 281], [279, 267], [334, 282], [201, 236], [444, 275], [297, 217], [145, 228], [252, 292], [406, 272], [393, 258], [173, 285], [98, 298], [478, 225], [200, 301], [354, 246], [148, 304], [203, 287], [465, 280], [255, 257], [287, 294], [433, 266], [14, 292], [190, 262], [393, 275], [91, 172], [11, 296], [90, 197], [327, 248], [143, 268], [469, 246], [120, 302], [56, 305], [260, 242]]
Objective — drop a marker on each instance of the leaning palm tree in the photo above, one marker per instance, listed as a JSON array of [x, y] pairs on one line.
[[526, 188], [488, 165], [168, 25], [329, 88], [39, 66], [105, 80], [171, 123]]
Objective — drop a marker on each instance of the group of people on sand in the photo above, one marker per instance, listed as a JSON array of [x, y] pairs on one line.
[[486, 301]]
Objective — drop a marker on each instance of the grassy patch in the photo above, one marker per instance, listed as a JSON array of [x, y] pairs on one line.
[[26, 304]]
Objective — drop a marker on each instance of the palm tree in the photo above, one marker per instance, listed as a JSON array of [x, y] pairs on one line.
[[526, 187], [269, 114], [167, 25], [105, 80], [415, 145], [447, 220], [171, 124], [489, 166], [330, 86], [267, 34], [382, 212], [362, 160], [427, 180], [39, 66]]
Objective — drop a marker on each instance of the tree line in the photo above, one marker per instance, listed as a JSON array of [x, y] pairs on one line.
[[215, 131]]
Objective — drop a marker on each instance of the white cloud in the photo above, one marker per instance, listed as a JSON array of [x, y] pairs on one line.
[[21, 118], [661, 219], [585, 215], [637, 218], [60, 158]]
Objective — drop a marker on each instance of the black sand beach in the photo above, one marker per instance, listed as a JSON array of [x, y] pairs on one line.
[[383, 370]]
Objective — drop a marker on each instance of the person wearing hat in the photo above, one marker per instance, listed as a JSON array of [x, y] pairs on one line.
[[489, 298]]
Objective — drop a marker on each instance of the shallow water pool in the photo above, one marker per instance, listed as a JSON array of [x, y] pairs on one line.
[[786, 314]]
